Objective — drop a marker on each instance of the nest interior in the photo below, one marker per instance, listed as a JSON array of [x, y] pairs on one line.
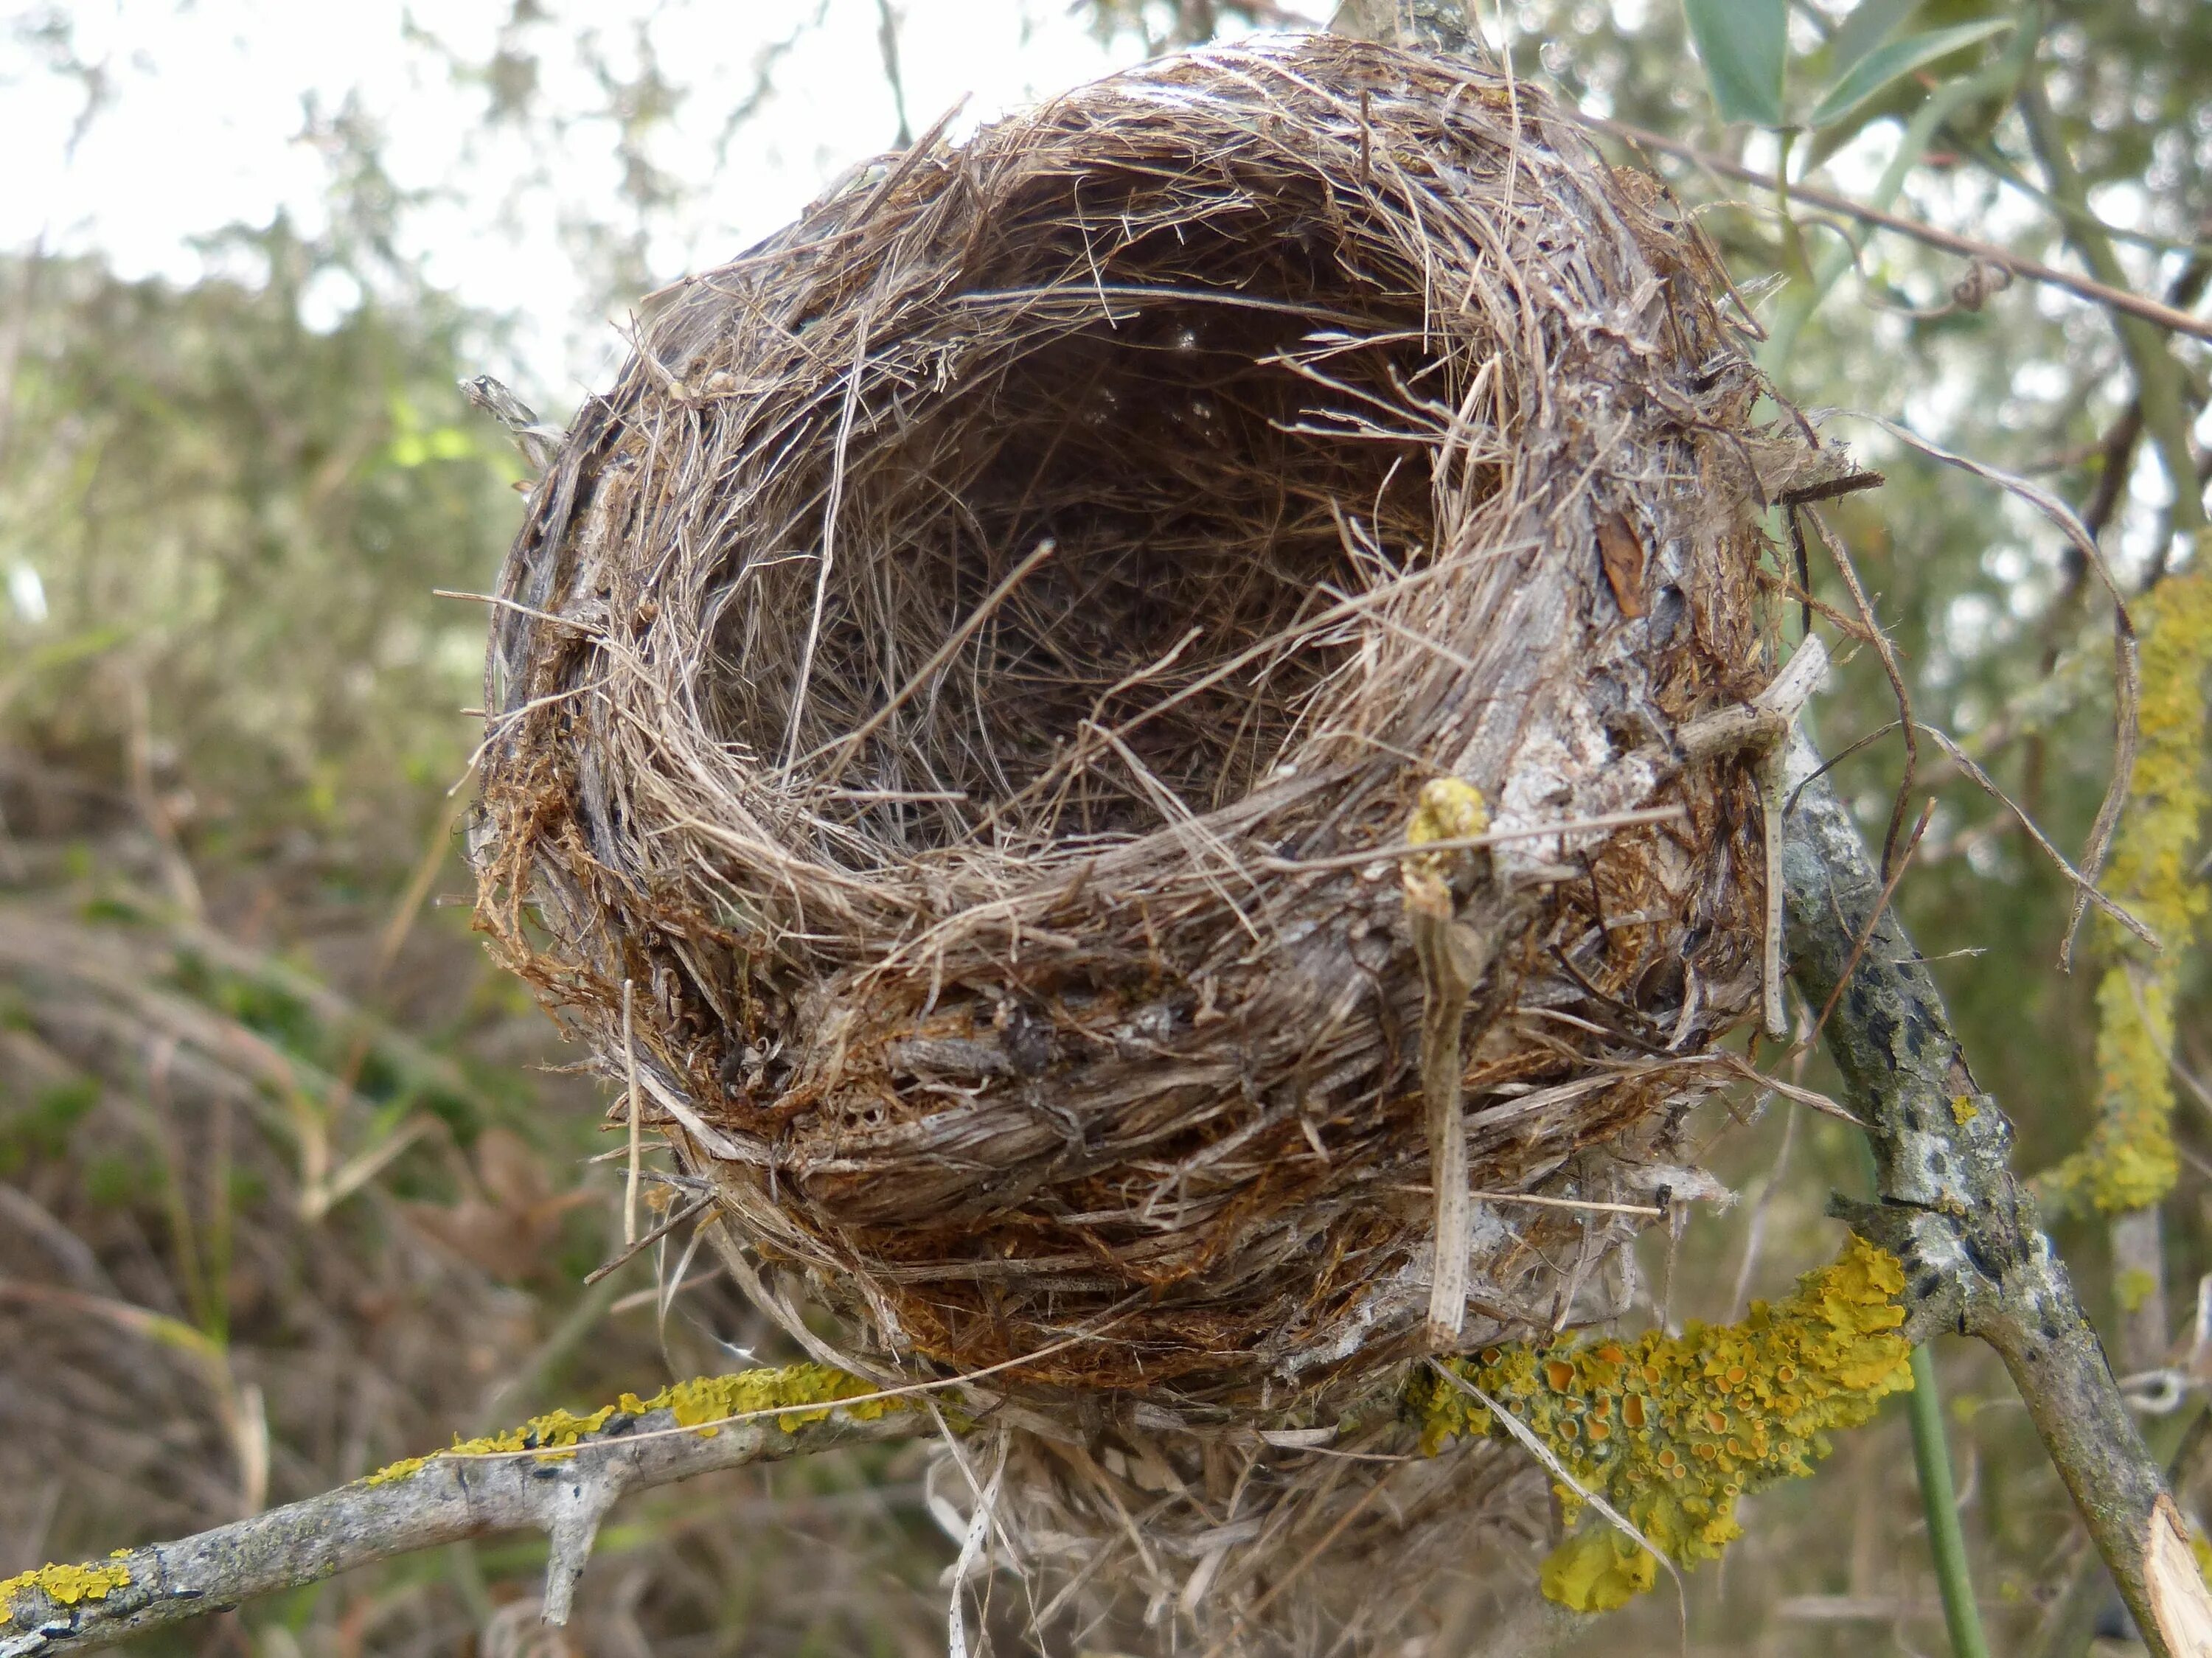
[[955, 701]]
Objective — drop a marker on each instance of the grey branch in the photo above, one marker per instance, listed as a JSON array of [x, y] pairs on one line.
[[1950, 1207], [564, 1494]]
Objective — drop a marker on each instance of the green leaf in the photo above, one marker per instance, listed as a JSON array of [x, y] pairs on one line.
[[1867, 77], [1871, 22], [1743, 44]]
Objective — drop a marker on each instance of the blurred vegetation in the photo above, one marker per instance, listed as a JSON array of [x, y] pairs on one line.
[[286, 1189], [287, 1193]]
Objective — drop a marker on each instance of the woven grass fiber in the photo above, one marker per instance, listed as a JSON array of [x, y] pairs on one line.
[[958, 702]]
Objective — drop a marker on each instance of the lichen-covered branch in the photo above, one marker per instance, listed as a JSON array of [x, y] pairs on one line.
[[2129, 1161], [558, 1474], [1671, 1429], [1950, 1207]]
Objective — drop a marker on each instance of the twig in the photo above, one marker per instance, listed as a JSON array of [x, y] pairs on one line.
[[630, 1104], [2127, 686], [2117, 298], [1560, 1471], [563, 1494], [631, 1250], [1566, 1203], [1951, 1210], [1471, 843]]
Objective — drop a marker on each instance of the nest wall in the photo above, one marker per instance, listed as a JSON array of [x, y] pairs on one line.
[[954, 705]]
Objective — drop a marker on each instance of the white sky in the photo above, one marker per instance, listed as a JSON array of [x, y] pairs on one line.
[[203, 130], [203, 127]]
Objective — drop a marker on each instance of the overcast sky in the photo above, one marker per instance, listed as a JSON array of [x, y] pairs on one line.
[[202, 121]]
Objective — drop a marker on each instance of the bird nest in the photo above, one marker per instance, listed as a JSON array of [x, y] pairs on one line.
[[958, 704]]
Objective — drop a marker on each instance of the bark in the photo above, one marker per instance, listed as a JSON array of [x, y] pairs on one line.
[[1949, 1205], [564, 1494]]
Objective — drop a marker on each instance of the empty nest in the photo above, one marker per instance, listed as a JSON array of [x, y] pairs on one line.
[[956, 704]]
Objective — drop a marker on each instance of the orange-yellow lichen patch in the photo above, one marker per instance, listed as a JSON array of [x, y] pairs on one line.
[[702, 1403], [1703, 1416], [66, 1585]]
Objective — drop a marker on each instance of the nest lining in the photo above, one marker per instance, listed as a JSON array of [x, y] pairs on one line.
[[938, 691]]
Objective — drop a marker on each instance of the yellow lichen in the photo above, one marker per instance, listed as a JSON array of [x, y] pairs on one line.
[[702, 1403], [2129, 1161], [1702, 1418], [1964, 1110], [2134, 1287], [1450, 809], [67, 1586]]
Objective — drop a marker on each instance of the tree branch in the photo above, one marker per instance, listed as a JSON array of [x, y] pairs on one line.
[[1951, 1210], [562, 1485], [2112, 297]]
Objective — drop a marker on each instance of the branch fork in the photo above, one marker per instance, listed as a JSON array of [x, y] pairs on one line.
[[564, 1491]]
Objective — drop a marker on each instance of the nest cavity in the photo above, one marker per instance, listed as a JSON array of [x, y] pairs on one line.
[[956, 705]]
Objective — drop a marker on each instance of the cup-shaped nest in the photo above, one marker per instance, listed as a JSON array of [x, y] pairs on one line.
[[957, 704]]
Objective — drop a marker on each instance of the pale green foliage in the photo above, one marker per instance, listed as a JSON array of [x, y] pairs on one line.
[[237, 524]]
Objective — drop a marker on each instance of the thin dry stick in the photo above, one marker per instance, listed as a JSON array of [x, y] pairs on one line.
[[632, 1248], [1560, 1471], [1454, 959], [2117, 299], [1969, 768], [2085, 889], [1562, 1203], [1470, 842], [1754, 1229], [1887, 650], [2127, 684]]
